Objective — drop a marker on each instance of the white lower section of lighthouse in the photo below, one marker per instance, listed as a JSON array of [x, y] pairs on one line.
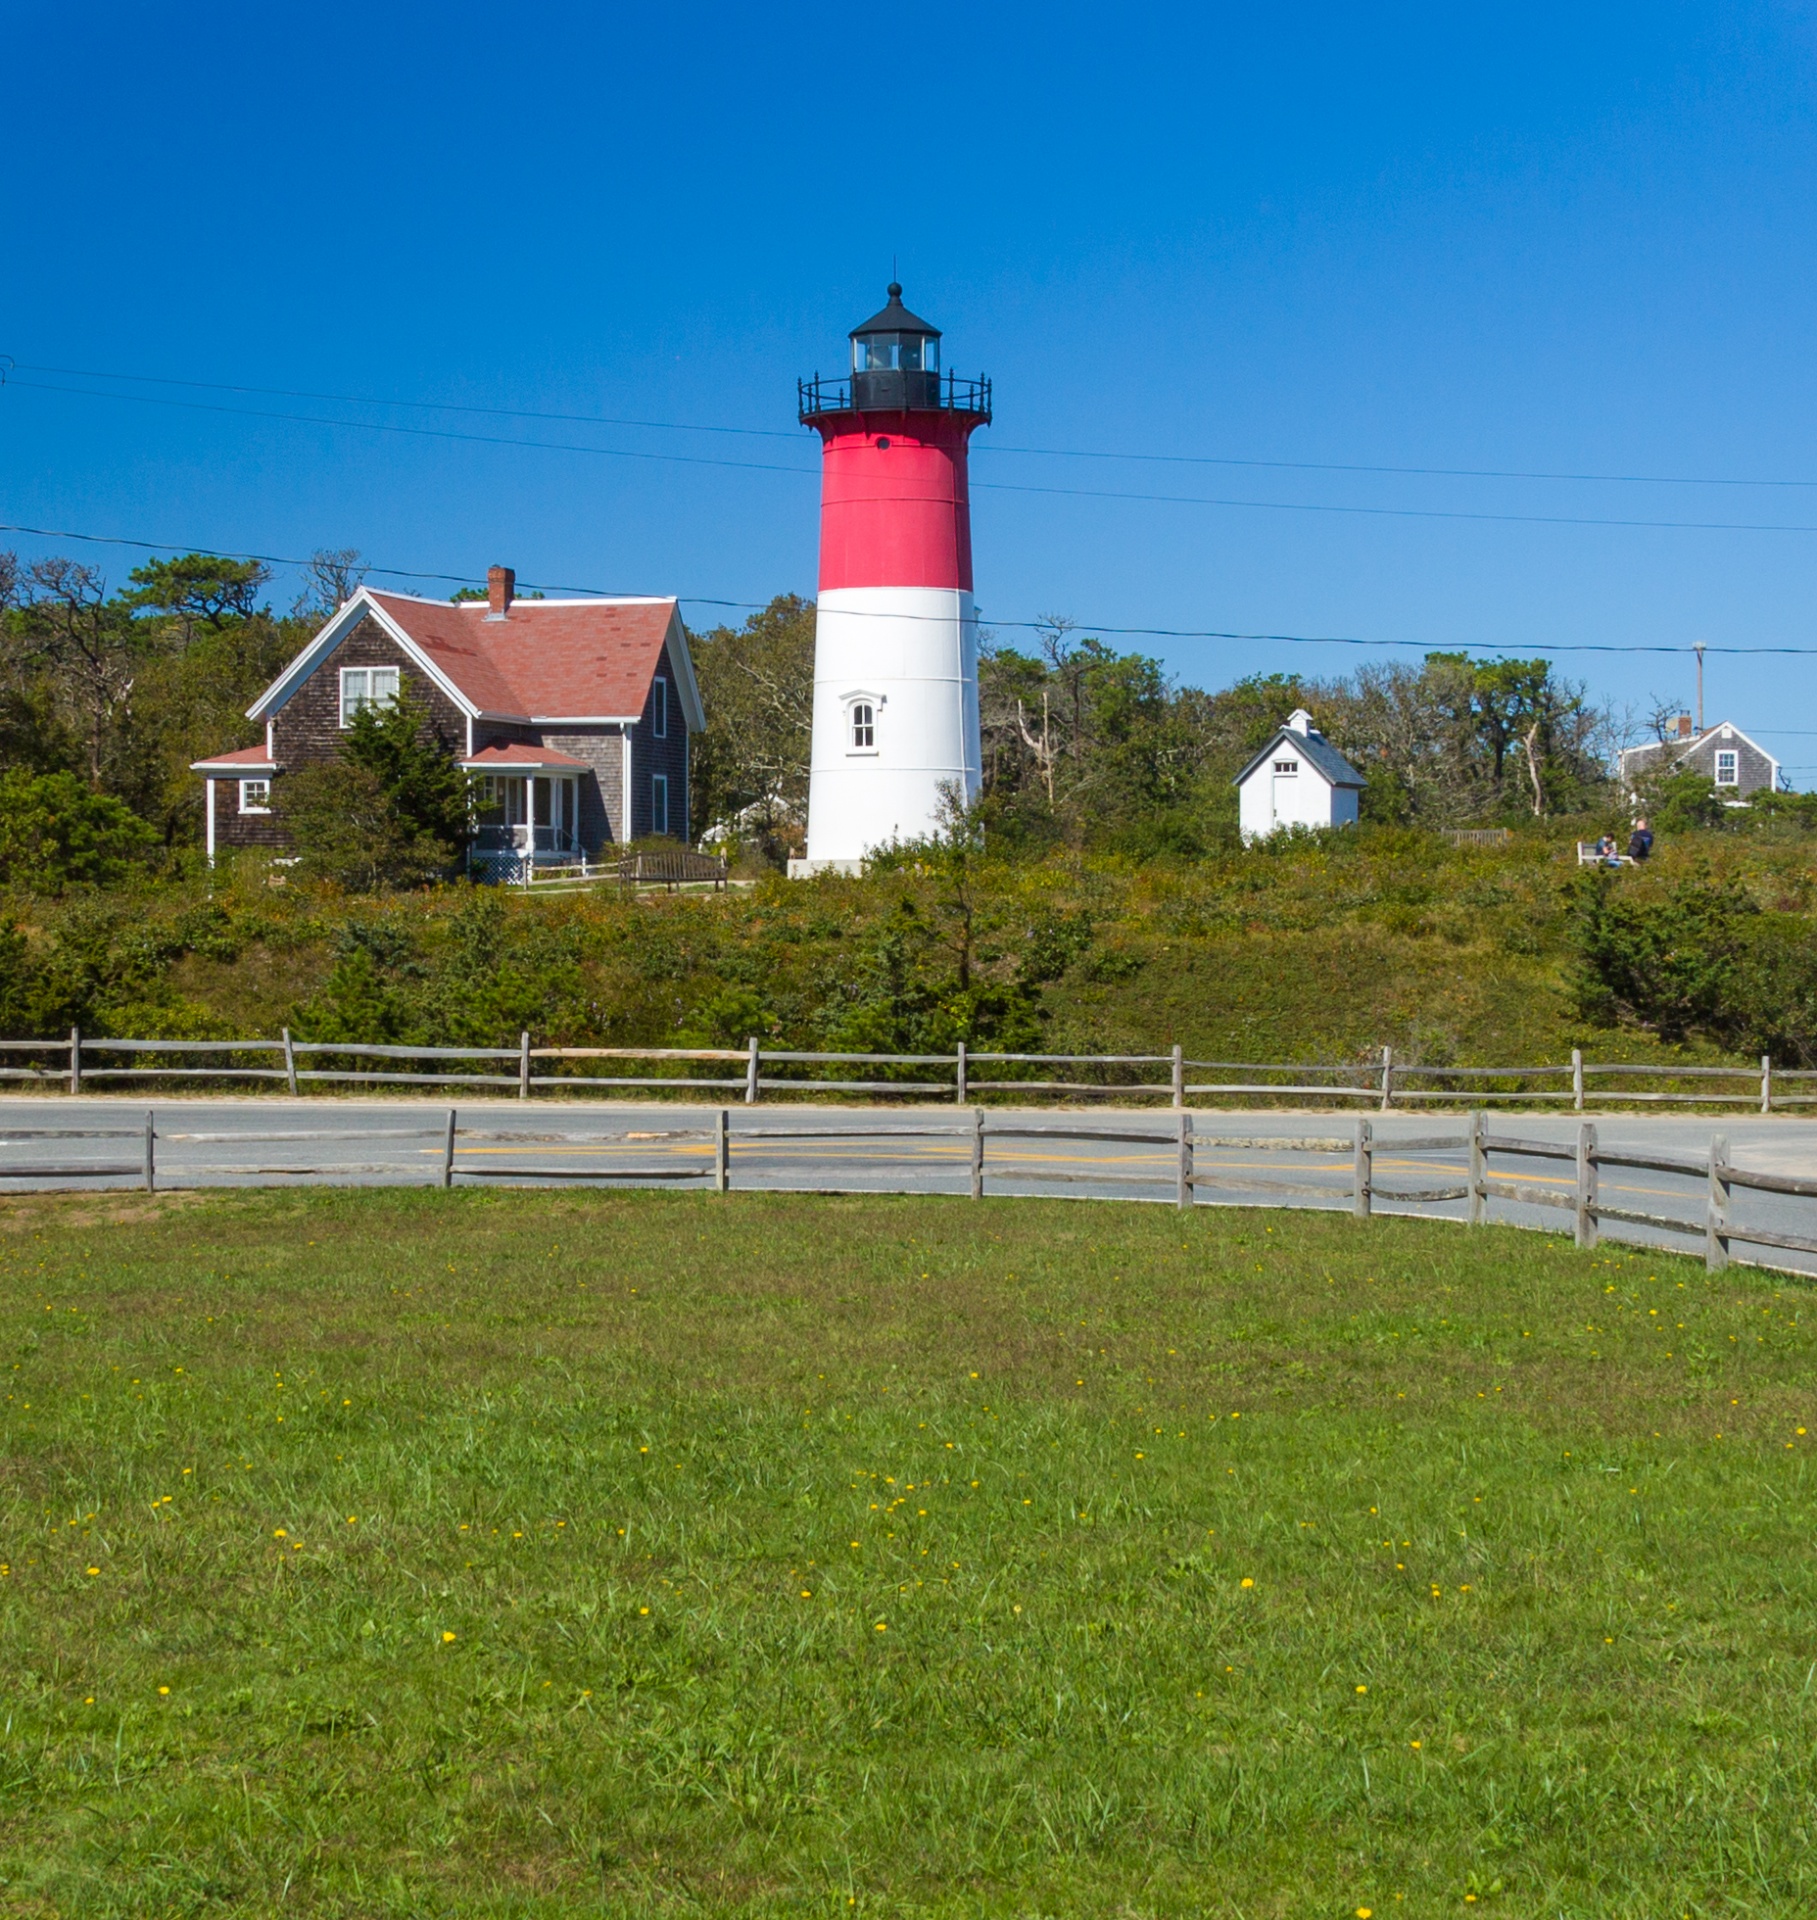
[[895, 717]]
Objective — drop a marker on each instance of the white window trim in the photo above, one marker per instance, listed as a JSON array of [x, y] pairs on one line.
[[849, 702], [659, 707], [1733, 757], [1285, 767], [659, 783], [397, 688], [258, 780]]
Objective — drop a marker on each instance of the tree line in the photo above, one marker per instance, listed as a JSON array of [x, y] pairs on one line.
[[1087, 746]]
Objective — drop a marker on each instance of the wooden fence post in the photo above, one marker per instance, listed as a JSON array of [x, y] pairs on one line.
[[1387, 1078], [1716, 1227], [1585, 1208], [1577, 1079], [448, 1152], [151, 1165], [523, 1066], [290, 1064], [1183, 1183], [1362, 1176], [1766, 1083], [959, 1076], [722, 1152], [1479, 1167], [1179, 1077], [977, 1153], [75, 1059], [750, 1074]]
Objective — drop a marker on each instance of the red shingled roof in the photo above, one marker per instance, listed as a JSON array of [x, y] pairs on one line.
[[505, 758], [241, 760], [571, 659]]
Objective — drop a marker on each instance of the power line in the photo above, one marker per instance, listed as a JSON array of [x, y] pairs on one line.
[[994, 486], [364, 400], [989, 448], [425, 433], [1021, 625]]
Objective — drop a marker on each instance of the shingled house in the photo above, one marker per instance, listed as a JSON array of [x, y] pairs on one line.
[[1723, 754], [573, 715]]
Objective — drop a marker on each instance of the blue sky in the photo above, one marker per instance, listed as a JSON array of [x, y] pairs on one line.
[[1534, 239]]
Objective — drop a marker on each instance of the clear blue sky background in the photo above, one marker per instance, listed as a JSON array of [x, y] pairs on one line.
[[1577, 240]]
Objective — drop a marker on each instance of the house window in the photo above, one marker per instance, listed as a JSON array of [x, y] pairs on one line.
[[864, 727], [1728, 769], [659, 708], [1286, 766], [255, 796], [659, 803], [363, 687]]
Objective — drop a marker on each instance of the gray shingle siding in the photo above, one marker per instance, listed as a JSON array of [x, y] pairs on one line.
[[1755, 769]]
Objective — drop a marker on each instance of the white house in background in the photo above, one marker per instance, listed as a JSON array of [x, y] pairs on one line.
[[1298, 780]]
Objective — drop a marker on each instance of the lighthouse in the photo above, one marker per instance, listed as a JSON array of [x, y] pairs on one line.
[[896, 637]]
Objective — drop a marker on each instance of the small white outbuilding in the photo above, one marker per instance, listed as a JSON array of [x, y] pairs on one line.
[[1298, 780]]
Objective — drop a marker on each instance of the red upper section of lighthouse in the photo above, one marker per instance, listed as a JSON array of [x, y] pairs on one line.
[[895, 510]]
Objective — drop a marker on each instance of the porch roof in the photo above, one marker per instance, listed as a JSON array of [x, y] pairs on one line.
[[513, 758]]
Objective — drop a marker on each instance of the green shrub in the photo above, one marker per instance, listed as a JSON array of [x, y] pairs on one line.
[[55, 832]]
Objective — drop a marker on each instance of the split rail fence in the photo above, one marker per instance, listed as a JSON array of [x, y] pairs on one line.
[[81, 1061], [447, 1154]]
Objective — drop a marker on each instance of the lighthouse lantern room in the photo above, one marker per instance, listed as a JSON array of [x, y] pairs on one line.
[[896, 640]]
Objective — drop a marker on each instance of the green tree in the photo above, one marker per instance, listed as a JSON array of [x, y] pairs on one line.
[[55, 831], [750, 765], [199, 587]]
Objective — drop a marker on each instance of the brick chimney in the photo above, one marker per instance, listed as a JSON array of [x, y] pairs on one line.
[[1684, 726], [501, 587]]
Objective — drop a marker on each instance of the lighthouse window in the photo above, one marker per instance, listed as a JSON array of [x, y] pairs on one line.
[[864, 726], [895, 353]]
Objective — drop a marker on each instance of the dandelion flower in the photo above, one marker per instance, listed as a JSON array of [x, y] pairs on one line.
[[446, 1637], [163, 1689], [94, 1570], [1362, 1689], [1246, 1583]]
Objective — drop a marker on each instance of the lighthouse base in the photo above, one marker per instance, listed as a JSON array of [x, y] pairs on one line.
[[895, 717]]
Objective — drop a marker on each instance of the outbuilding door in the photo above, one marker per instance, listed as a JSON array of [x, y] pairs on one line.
[[1286, 795]]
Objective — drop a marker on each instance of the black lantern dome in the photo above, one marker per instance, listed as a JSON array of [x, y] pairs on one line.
[[895, 369]]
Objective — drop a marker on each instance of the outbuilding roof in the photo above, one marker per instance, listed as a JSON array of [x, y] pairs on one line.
[[543, 661], [1311, 746]]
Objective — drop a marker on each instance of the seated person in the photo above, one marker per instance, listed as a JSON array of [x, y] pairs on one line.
[[1640, 841]]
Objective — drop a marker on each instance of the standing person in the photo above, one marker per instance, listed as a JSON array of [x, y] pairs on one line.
[[1640, 841]]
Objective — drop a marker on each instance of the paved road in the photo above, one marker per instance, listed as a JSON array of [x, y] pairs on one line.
[[99, 1142]]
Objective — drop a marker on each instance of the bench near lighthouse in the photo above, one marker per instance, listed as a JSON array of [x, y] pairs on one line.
[[896, 639]]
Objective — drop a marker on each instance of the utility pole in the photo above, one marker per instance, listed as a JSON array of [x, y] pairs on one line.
[[1698, 650]]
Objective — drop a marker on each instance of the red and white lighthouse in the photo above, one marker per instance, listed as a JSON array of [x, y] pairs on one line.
[[896, 646]]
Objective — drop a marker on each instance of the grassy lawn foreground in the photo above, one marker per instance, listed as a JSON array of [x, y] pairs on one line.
[[505, 1553]]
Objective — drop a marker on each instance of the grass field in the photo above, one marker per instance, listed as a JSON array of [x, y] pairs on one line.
[[403, 1553]]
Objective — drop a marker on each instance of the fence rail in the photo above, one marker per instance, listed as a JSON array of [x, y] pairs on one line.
[[1382, 1081], [443, 1153]]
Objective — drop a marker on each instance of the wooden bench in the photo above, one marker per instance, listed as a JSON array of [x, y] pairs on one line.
[[1590, 854], [674, 868]]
